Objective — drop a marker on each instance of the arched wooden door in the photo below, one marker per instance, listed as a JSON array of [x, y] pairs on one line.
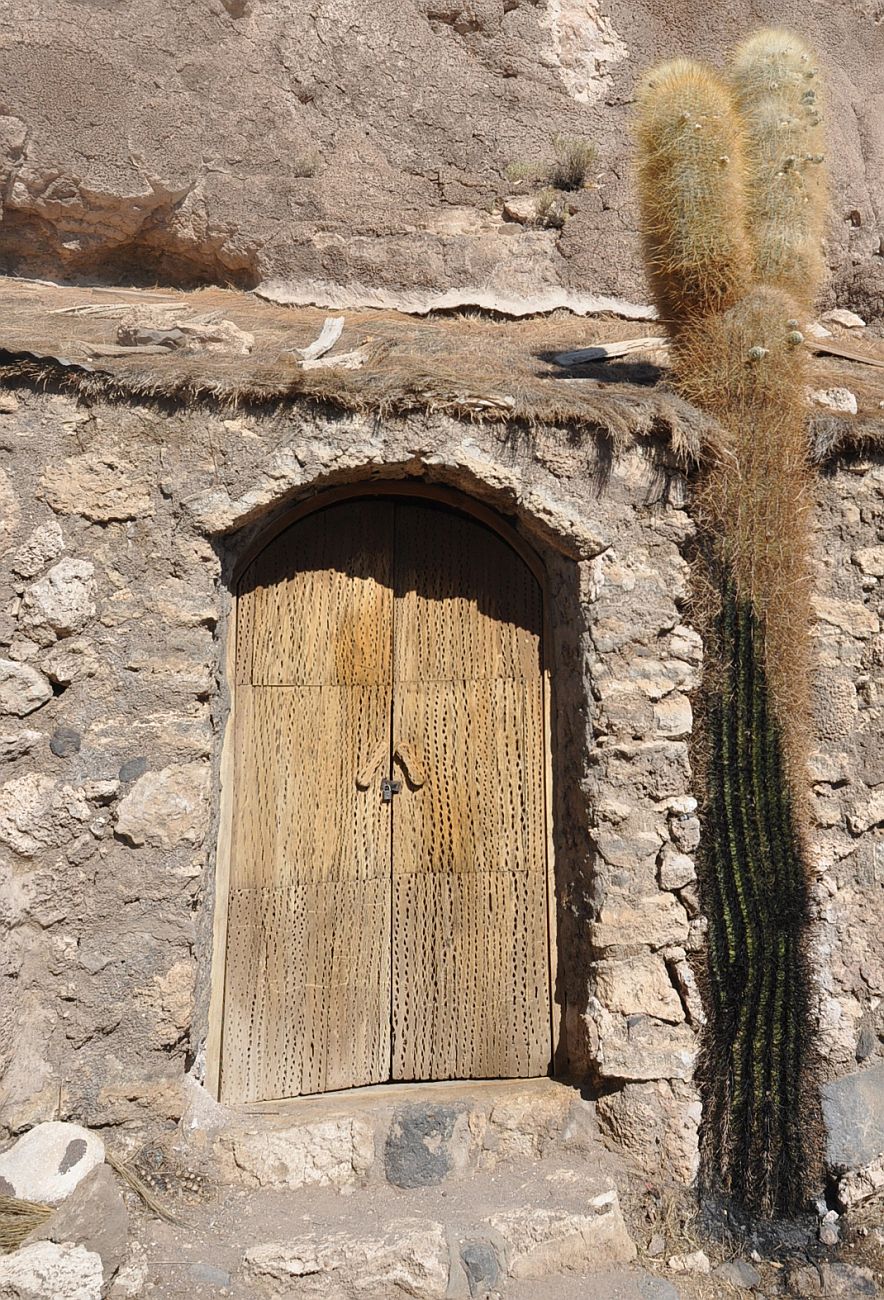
[[387, 910]]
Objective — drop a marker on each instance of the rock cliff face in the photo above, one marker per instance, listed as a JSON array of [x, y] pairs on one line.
[[359, 152]]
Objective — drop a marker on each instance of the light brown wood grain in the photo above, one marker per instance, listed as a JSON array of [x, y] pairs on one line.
[[370, 940]]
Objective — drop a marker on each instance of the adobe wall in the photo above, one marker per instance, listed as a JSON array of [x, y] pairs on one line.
[[119, 529]]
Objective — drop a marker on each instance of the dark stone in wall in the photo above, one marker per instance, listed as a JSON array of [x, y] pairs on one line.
[[65, 741], [418, 1150]]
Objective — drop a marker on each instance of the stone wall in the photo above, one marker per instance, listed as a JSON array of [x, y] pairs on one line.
[[120, 526]]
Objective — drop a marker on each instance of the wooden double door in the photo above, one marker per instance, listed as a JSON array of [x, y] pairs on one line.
[[387, 902]]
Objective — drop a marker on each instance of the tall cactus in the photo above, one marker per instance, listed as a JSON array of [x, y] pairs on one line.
[[776, 86], [732, 202]]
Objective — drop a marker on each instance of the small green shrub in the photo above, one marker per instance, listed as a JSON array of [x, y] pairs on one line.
[[573, 160], [550, 210]]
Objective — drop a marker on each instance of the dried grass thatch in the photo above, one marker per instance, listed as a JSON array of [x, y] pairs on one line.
[[466, 366], [18, 1219]]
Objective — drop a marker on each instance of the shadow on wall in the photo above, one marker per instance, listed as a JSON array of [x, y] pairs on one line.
[[477, 579]]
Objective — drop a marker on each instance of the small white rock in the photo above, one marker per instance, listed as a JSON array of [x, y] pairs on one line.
[[521, 208], [849, 319], [22, 688], [818, 331], [48, 1162], [834, 399], [696, 1262], [829, 1234]]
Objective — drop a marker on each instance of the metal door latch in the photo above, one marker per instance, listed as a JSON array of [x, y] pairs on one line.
[[389, 788]]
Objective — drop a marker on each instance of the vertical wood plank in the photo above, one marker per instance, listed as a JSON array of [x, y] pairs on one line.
[[470, 978], [307, 987]]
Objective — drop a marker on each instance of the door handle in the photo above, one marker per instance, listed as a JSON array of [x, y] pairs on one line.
[[404, 754], [373, 762]]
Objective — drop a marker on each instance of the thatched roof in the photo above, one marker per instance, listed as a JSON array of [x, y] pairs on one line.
[[233, 348]]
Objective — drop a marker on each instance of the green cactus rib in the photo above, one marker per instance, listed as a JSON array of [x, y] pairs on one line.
[[758, 1134]]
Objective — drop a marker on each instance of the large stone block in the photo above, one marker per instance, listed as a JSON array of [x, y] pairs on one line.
[[541, 1242], [95, 1217], [847, 616], [522, 1126], [332, 1153], [657, 1124], [425, 1143], [653, 920], [48, 1162], [410, 1259], [640, 1047], [46, 1271], [638, 986], [22, 688]]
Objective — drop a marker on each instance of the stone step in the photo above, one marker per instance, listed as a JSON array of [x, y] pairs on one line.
[[414, 1135], [505, 1232]]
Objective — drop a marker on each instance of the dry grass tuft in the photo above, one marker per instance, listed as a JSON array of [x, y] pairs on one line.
[[141, 1189], [573, 160], [18, 1219]]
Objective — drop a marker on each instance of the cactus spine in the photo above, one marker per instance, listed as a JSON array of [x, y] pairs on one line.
[[691, 178], [733, 257], [775, 83]]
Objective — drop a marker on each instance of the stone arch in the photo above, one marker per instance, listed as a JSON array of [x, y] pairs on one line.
[[559, 574]]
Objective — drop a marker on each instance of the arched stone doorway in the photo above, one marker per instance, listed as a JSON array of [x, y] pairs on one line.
[[389, 912]]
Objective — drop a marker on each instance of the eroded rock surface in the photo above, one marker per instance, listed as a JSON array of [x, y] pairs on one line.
[[352, 152]]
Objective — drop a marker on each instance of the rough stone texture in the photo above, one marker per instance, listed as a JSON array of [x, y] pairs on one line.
[[48, 1162], [328, 1153], [95, 1217], [44, 1269], [354, 154], [166, 808], [847, 1281], [15, 744], [853, 1108], [40, 548], [107, 914], [544, 1242], [848, 776], [860, 1185], [97, 488], [410, 1259], [424, 1144], [22, 689], [107, 851]]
